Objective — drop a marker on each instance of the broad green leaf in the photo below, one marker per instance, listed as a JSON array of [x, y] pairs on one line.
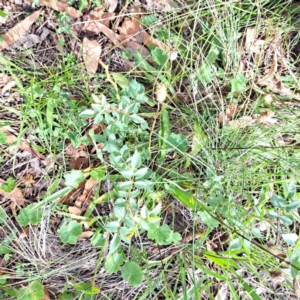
[[132, 273], [112, 226], [139, 174], [114, 244], [114, 261], [74, 178], [278, 201], [30, 215], [120, 79], [2, 14], [87, 288], [34, 291], [207, 219], [293, 205], [286, 220], [163, 235], [9, 185], [159, 56], [238, 83], [149, 20], [69, 233], [199, 139], [291, 190], [87, 113], [98, 240], [177, 142], [136, 160], [183, 196]]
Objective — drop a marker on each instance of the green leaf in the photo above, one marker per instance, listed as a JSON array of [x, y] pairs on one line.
[[291, 190], [207, 219], [98, 240], [30, 215], [159, 56], [3, 215], [87, 113], [87, 288], [3, 136], [2, 14], [136, 160], [199, 139], [112, 226], [120, 79], [34, 291], [238, 83], [114, 244], [293, 205], [286, 220], [149, 20], [74, 178], [177, 142], [69, 233], [114, 261], [163, 235], [9, 185], [139, 174], [278, 201], [132, 273]]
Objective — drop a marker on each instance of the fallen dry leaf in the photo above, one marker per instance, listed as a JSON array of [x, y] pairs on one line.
[[277, 276], [61, 7], [86, 235], [75, 210], [46, 295], [98, 16], [267, 117], [230, 112], [19, 30], [131, 29], [87, 193], [11, 138], [161, 93], [241, 122], [16, 197], [79, 157], [91, 54], [27, 41]]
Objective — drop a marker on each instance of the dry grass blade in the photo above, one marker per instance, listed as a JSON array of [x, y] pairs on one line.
[[91, 54], [19, 30]]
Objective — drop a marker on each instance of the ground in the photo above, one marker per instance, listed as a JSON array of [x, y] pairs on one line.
[[149, 149]]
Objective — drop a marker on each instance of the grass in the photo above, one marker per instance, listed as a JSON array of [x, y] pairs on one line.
[[225, 190]]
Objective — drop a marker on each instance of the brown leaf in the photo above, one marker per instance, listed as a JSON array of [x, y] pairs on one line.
[[19, 30], [11, 138], [277, 276], [149, 40], [87, 193], [46, 295], [61, 7], [131, 29], [267, 117], [96, 17], [16, 197], [75, 210], [241, 122], [193, 236], [91, 54], [86, 235]]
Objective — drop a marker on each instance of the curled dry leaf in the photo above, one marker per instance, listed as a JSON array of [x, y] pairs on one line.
[[18, 31], [87, 193], [61, 7], [11, 138], [75, 210], [267, 117], [79, 157], [96, 17], [131, 29], [161, 93], [91, 54], [16, 197], [86, 235]]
